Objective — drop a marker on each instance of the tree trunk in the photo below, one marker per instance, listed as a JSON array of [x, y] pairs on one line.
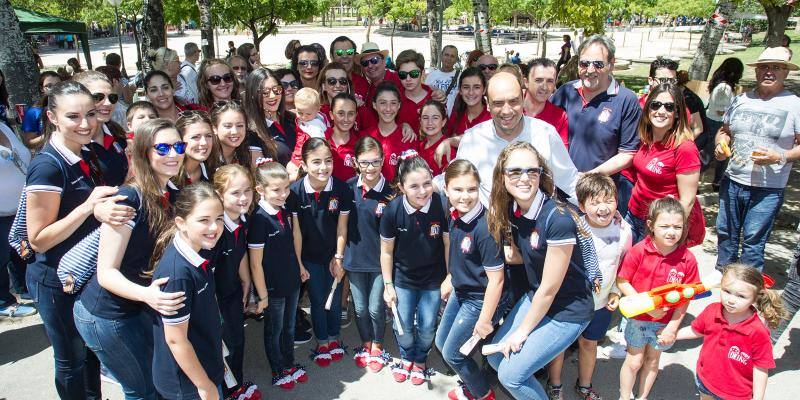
[[391, 38], [136, 38], [543, 36], [16, 60], [434, 30], [483, 32], [707, 48], [776, 23], [154, 30], [369, 24], [206, 29]]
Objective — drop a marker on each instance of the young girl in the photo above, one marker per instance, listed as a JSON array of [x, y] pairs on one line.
[[661, 258], [216, 82], [476, 267], [737, 352], [433, 119], [231, 268], [411, 71], [187, 356], [413, 248], [275, 271], [362, 257], [320, 207], [201, 150], [469, 108], [230, 126], [388, 132], [341, 136]]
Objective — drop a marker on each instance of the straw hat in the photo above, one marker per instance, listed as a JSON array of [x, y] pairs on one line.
[[776, 55], [369, 48]]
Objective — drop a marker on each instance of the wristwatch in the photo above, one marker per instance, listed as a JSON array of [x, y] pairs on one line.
[[339, 256], [782, 161]]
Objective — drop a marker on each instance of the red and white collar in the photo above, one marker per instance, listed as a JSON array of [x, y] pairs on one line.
[[536, 206]]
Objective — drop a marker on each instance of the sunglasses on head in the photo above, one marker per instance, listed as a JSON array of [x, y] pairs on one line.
[[413, 73], [656, 105], [216, 79], [491, 67], [597, 64], [189, 113], [373, 61], [349, 52], [291, 84], [334, 81], [306, 63], [112, 97], [163, 149], [223, 103]]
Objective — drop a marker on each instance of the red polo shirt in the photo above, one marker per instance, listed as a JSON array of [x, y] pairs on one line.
[[427, 154], [458, 124], [410, 109], [344, 159], [730, 352], [646, 268], [393, 146]]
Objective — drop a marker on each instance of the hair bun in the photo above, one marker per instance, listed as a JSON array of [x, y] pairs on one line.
[[263, 160]]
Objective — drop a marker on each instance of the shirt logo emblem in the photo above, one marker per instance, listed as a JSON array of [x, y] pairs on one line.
[[118, 148], [655, 166], [379, 209], [435, 229], [535, 239], [333, 204], [605, 115], [737, 355], [675, 276], [348, 160], [466, 245], [393, 159]]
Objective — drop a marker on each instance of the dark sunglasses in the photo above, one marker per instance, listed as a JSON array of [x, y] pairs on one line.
[[349, 52], [216, 79], [276, 90], [597, 64], [291, 84], [491, 67], [671, 81], [413, 73], [112, 97], [515, 174], [223, 103], [306, 63], [340, 81], [373, 61], [163, 149], [656, 105]]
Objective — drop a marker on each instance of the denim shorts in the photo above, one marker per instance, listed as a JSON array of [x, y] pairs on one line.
[[702, 389], [598, 326], [639, 334]]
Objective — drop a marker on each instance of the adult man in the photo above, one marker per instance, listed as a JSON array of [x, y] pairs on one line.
[[541, 84], [187, 92], [603, 115], [446, 77], [762, 129], [488, 65]]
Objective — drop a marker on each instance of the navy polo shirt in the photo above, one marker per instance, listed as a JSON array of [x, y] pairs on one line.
[[284, 135], [473, 252], [172, 192], [363, 253], [605, 126], [111, 155], [60, 172], [319, 215], [229, 251], [189, 273], [546, 225], [418, 246], [271, 230], [135, 262]]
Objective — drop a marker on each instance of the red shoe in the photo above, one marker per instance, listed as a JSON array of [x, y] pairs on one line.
[[462, 393], [283, 380], [299, 373], [336, 351], [321, 356], [251, 392], [377, 360], [418, 375], [400, 371], [361, 357]]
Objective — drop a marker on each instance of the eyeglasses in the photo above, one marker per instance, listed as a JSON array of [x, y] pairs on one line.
[[216, 79], [276, 90], [374, 163], [597, 64], [163, 149], [413, 73], [239, 68], [308, 63], [671, 81], [656, 105], [490, 67], [340, 81], [341, 52], [291, 84], [515, 174], [373, 61], [112, 97], [773, 68]]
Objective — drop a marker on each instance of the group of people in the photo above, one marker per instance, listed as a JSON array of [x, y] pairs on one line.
[[526, 209]]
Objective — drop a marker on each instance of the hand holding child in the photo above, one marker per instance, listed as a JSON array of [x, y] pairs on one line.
[[613, 301]]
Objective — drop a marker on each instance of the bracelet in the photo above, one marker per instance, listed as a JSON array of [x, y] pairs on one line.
[[388, 283], [338, 256]]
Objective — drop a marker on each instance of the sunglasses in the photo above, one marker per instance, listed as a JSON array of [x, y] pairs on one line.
[[413, 73], [307, 63], [163, 149], [334, 81], [349, 52], [491, 67], [773, 68], [189, 113], [112, 97], [671, 81], [239, 68], [373, 61], [656, 105], [291, 84], [224, 103], [276, 90], [515, 174], [216, 79], [374, 163], [597, 64]]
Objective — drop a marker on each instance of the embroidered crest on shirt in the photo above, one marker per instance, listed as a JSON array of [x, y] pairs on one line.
[[675, 276], [435, 229], [333, 204], [655, 166], [605, 115], [535, 239], [738, 355], [348, 160], [379, 209], [393, 160], [466, 244]]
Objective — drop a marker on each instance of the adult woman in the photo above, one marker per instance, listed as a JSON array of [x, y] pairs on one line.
[[110, 315], [167, 60], [472, 58], [667, 162], [288, 52], [722, 89], [201, 150], [33, 123], [273, 127], [306, 64], [566, 51], [544, 237], [290, 82], [239, 67], [216, 82], [332, 81], [249, 52], [161, 92]]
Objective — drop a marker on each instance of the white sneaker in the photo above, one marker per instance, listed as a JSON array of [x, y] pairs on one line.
[[616, 350]]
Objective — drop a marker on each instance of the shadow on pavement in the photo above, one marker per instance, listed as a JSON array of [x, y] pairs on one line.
[[21, 343]]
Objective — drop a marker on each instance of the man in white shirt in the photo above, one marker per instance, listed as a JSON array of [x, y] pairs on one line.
[[187, 92], [446, 77]]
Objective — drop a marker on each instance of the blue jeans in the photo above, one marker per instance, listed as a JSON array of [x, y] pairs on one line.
[[746, 215], [6, 298], [638, 227], [544, 343], [791, 293], [624, 191], [416, 340], [370, 309], [279, 320], [327, 323], [458, 321], [124, 346], [77, 370]]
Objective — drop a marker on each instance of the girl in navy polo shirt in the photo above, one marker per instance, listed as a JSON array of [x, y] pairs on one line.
[[187, 355], [110, 314], [201, 151], [231, 268], [540, 232], [371, 193], [61, 195], [320, 206], [275, 270], [413, 246], [432, 119], [476, 266], [230, 126]]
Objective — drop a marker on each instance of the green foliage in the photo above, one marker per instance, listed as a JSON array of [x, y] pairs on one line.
[[177, 11], [264, 15], [70, 9]]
